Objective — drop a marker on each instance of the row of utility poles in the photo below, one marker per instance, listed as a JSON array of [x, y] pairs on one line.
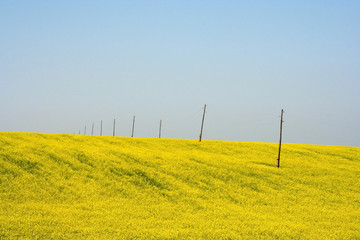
[[201, 130], [133, 127], [132, 131], [101, 127]]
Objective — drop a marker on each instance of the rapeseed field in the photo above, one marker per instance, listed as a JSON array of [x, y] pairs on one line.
[[58, 186]]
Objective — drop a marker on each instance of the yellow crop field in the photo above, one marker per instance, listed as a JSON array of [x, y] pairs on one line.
[[58, 186]]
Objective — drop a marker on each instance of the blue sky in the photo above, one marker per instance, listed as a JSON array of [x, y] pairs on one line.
[[67, 64]]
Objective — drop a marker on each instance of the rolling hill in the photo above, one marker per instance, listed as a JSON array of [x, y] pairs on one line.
[[58, 186]]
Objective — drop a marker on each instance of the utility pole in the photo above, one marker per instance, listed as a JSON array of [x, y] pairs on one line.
[[281, 122], [79, 132], [101, 128], [202, 123], [114, 129], [132, 132], [92, 129], [85, 131], [160, 129]]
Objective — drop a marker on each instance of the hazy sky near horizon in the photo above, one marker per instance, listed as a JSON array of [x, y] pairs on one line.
[[67, 64]]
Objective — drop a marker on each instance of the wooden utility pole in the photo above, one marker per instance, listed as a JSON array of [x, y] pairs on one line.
[[101, 128], [85, 131], [160, 129], [92, 129], [132, 132], [202, 123], [114, 129], [281, 122]]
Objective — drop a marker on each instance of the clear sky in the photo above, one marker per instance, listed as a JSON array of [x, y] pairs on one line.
[[67, 64]]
